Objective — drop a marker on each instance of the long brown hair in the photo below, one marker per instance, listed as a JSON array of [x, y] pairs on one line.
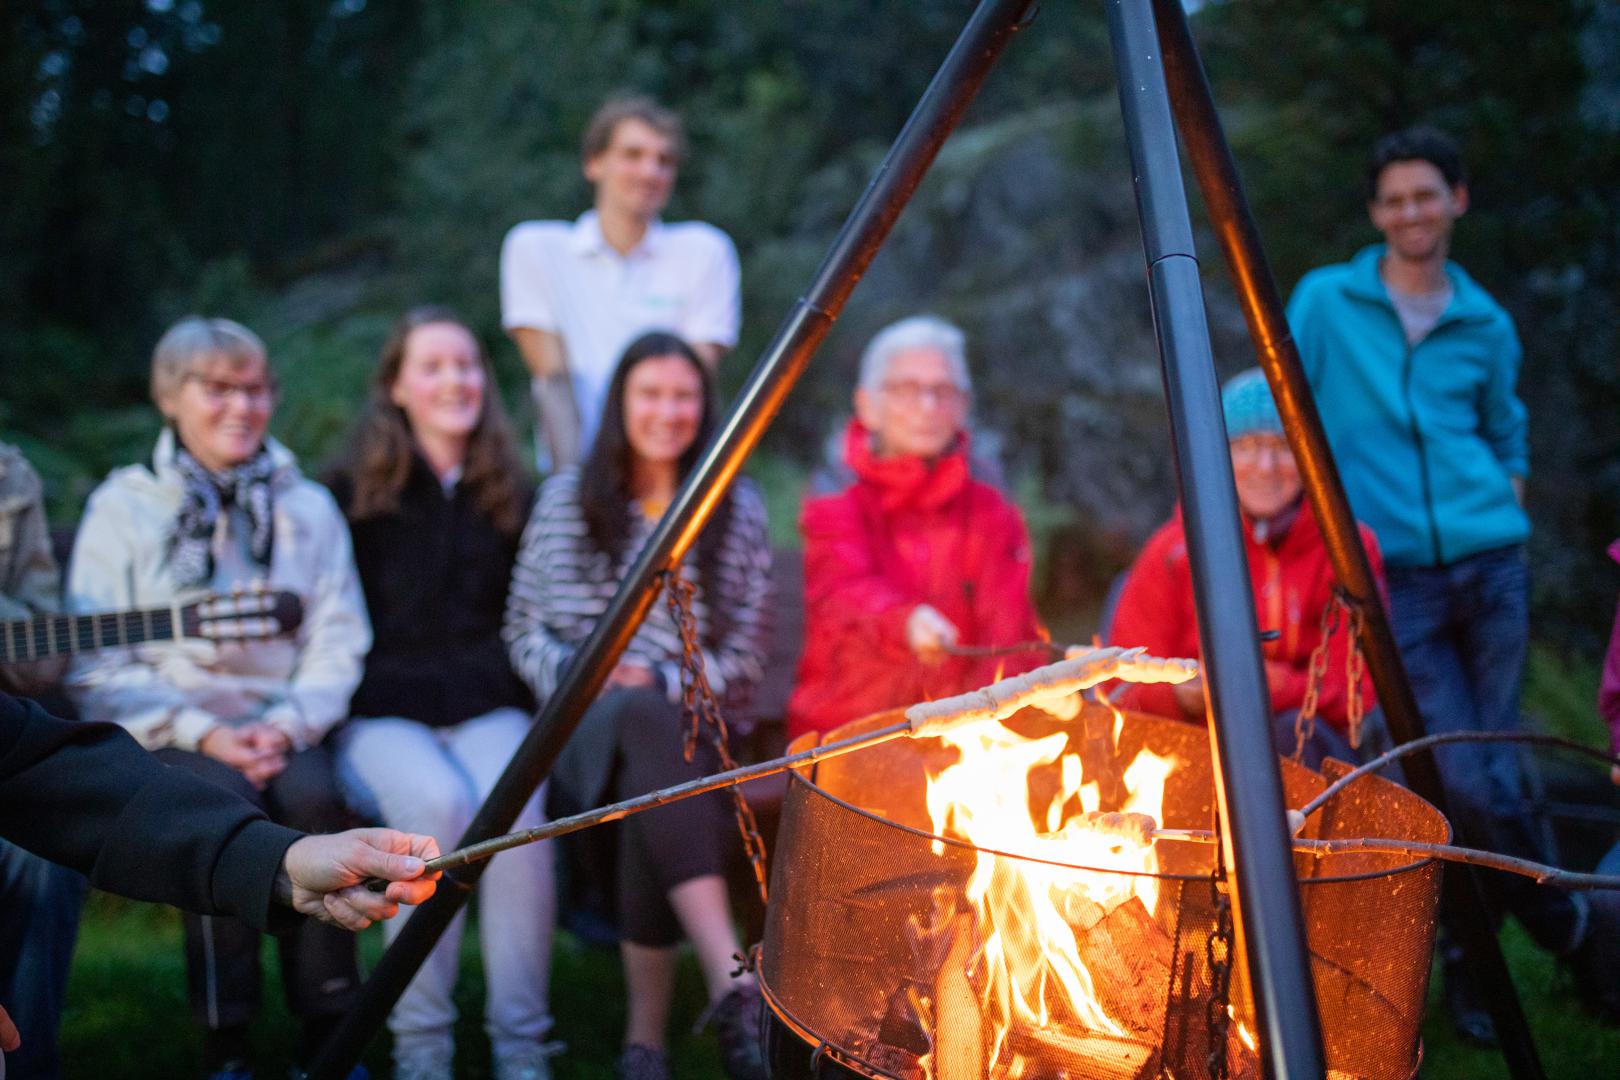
[[382, 455]]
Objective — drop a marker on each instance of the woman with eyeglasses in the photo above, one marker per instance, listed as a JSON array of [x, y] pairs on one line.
[[587, 527], [907, 550], [221, 505], [1293, 584]]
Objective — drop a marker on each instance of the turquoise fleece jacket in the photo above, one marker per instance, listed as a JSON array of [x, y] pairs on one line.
[[1427, 437]]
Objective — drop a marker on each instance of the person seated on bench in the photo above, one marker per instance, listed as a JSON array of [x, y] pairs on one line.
[[906, 552], [1293, 583], [218, 505], [587, 527], [436, 499]]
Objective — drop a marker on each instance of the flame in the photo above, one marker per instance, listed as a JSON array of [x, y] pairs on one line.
[[1028, 967]]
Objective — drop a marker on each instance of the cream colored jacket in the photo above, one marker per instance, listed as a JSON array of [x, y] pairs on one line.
[[171, 694]]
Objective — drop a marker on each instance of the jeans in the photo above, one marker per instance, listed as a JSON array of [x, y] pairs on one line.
[[431, 781], [1463, 631], [39, 922]]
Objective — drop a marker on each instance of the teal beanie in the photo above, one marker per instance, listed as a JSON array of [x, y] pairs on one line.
[[1246, 401]]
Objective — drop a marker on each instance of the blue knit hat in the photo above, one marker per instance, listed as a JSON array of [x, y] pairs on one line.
[[1246, 401]]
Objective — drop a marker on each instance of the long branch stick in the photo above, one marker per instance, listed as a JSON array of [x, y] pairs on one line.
[[1541, 872], [1441, 739], [1082, 669]]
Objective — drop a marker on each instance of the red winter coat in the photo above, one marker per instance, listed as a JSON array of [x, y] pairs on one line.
[[1293, 582], [903, 532]]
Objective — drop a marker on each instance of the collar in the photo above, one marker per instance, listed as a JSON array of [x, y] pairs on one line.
[[167, 444], [1468, 300], [586, 237], [907, 481]]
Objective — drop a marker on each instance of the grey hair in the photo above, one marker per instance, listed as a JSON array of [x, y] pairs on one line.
[[916, 332], [193, 338]]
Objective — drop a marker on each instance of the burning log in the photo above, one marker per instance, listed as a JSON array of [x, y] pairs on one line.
[[1050, 1053], [959, 1052], [1129, 956]]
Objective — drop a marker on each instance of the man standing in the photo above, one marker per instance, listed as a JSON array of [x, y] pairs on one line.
[[574, 294], [1413, 366]]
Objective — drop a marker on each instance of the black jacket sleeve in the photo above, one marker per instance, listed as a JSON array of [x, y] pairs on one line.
[[87, 796]]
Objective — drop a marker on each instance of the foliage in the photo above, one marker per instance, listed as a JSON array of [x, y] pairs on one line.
[[314, 167]]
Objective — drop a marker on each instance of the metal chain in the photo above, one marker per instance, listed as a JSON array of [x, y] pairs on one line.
[[1315, 672], [700, 708], [1354, 665], [1218, 952]]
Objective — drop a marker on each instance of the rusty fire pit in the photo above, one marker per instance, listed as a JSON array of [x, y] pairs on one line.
[[883, 957]]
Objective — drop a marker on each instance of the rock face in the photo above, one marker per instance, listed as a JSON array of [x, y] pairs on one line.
[[1026, 234]]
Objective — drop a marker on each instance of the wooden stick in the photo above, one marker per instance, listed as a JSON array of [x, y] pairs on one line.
[[1048, 687]]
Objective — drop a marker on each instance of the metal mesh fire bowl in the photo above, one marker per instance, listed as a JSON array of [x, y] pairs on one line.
[[862, 980]]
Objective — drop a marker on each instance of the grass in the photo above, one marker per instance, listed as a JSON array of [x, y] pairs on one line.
[[127, 1014]]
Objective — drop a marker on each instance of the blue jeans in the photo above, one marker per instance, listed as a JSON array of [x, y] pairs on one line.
[[1464, 633], [39, 922]]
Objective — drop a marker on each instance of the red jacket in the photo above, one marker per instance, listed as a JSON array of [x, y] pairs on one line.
[[903, 532], [1293, 582]]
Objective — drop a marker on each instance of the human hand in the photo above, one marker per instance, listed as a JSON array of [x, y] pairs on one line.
[[9, 1038], [257, 751], [630, 675], [324, 876], [1190, 695], [928, 633]]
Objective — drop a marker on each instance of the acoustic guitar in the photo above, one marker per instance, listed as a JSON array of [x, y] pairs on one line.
[[235, 616]]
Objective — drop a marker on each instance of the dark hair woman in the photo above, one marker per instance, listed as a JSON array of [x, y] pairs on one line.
[[586, 528], [435, 499]]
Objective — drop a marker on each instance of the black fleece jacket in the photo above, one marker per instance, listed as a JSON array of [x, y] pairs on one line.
[[435, 574], [86, 795]]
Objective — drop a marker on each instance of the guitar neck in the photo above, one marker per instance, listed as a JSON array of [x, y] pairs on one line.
[[53, 635]]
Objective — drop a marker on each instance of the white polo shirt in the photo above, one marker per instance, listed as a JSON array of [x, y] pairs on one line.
[[564, 278]]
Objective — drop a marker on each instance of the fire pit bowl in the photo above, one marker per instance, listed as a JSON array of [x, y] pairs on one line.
[[878, 960]]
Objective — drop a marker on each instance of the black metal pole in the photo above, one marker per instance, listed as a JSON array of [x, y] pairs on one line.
[[953, 88], [1239, 236], [1265, 898]]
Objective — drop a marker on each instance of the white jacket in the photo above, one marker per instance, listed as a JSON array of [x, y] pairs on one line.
[[172, 693]]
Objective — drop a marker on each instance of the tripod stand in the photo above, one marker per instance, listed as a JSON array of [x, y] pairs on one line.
[[1149, 38]]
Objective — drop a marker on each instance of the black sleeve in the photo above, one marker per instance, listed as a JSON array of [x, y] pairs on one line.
[[88, 797]]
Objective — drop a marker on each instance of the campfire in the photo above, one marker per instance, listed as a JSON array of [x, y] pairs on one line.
[[1000, 902]]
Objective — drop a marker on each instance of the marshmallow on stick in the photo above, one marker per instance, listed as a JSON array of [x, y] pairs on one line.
[[1050, 687]]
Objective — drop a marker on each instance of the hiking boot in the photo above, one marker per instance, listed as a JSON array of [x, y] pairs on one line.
[[738, 1020], [427, 1063], [639, 1062]]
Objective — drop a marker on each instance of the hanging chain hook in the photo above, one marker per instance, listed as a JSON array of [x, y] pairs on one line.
[[701, 709]]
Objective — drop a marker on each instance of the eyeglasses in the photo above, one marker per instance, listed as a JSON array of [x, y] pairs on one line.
[[911, 392], [1252, 450], [217, 392]]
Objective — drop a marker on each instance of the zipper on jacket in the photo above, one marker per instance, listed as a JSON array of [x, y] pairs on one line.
[[1423, 457]]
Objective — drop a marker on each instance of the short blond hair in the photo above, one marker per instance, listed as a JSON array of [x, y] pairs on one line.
[[184, 345]]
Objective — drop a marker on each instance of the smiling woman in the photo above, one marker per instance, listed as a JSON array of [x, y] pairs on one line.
[[218, 505], [587, 527]]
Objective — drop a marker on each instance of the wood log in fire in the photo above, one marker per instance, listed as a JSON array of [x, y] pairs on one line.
[[959, 1050], [1057, 1055], [1129, 956]]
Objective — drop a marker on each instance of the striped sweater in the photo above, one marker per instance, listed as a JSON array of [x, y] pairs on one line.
[[562, 584]]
